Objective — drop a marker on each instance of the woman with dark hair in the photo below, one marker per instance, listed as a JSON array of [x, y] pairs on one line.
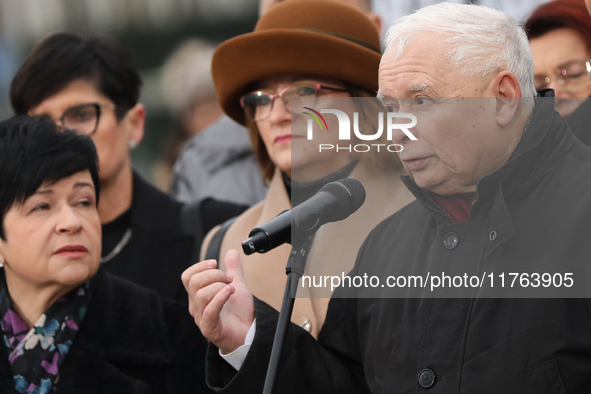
[[312, 51], [559, 35], [90, 85], [67, 325]]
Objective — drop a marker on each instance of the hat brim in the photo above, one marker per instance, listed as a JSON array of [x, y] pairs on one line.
[[251, 57]]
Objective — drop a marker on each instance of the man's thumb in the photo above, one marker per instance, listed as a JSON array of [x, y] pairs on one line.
[[233, 265]]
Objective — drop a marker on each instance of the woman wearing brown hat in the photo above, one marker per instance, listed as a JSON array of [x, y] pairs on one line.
[[303, 49]]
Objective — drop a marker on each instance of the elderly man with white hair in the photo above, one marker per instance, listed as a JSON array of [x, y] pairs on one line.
[[502, 186]]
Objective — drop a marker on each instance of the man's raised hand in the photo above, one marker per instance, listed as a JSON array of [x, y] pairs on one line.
[[220, 302]]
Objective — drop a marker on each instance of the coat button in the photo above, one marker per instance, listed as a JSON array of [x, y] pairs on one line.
[[492, 236], [451, 240], [426, 378]]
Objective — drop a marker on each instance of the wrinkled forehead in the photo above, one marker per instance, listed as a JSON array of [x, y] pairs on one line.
[[416, 66]]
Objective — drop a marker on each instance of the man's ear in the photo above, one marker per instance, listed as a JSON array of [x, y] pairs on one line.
[[136, 118], [507, 91]]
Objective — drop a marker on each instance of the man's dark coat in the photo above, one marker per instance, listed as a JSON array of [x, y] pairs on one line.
[[580, 122], [539, 206]]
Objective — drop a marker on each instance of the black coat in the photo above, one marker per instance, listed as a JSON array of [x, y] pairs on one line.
[[539, 206], [130, 342], [160, 248], [580, 122]]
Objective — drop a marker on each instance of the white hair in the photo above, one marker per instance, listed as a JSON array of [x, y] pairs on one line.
[[482, 40]]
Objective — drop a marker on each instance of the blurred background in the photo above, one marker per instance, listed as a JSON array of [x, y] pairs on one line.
[[153, 30]]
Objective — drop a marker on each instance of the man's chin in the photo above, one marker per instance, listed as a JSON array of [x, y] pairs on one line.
[[425, 184]]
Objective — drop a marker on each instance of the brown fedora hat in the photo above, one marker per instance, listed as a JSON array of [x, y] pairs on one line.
[[307, 37]]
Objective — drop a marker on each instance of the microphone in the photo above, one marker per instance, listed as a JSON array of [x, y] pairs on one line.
[[334, 201]]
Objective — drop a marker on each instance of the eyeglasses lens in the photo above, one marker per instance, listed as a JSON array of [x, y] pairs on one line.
[[573, 77], [258, 105], [297, 91], [83, 119]]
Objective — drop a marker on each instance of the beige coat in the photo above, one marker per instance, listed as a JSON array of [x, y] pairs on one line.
[[334, 250]]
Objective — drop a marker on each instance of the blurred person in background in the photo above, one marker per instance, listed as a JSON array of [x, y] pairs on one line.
[[68, 326], [257, 76], [90, 85], [217, 162], [559, 34], [220, 162], [189, 92], [580, 120]]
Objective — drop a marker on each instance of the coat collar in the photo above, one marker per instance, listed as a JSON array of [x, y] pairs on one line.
[[544, 142]]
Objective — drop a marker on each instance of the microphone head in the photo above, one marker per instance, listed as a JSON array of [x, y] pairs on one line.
[[349, 193]]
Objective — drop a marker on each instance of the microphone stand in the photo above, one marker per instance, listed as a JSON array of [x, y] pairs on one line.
[[296, 265]]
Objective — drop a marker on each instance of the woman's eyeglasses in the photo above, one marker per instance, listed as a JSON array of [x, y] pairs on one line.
[[84, 118], [573, 76], [259, 104]]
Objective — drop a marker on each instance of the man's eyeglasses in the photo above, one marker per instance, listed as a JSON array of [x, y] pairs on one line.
[[258, 104], [573, 76], [84, 118]]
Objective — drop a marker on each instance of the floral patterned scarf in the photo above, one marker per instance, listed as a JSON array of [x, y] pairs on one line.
[[36, 355]]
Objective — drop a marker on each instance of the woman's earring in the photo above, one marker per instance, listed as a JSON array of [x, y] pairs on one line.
[[132, 145], [1, 263]]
